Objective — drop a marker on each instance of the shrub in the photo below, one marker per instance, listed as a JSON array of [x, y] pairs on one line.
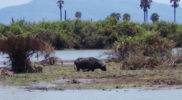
[[138, 62], [148, 27], [129, 28], [133, 49], [166, 28], [177, 38], [20, 49], [16, 29]]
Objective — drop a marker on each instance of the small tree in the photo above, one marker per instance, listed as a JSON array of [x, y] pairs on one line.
[[126, 17], [154, 17], [78, 15], [20, 49]]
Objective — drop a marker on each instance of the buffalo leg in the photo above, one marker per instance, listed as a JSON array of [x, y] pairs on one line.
[[78, 69]]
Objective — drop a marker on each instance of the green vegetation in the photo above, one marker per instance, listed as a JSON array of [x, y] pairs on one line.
[[143, 51], [137, 45], [78, 34]]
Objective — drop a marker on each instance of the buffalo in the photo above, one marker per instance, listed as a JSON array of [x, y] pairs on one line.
[[87, 64]]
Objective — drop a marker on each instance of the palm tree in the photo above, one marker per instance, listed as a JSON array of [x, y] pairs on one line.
[[175, 5], [145, 5], [60, 4], [116, 15], [154, 17], [65, 15], [126, 16], [78, 14]]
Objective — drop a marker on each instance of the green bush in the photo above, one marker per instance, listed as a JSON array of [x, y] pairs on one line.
[[177, 38], [148, 45], [16, 29], [129, 28], [166, 28]]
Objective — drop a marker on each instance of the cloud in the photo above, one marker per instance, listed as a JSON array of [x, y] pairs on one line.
[[7, 3]]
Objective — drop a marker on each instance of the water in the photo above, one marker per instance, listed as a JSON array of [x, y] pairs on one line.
[[17, 93], [67, 55], [177, 51], [74, 54]]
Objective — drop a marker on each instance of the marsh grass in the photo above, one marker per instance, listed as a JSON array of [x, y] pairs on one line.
[[114, 77]]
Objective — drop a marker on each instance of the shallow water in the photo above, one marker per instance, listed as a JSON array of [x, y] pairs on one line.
[[68, 55], [17, 93], [74, 54]]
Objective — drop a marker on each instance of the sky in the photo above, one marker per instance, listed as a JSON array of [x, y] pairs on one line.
[[7, 3], [165, 2]]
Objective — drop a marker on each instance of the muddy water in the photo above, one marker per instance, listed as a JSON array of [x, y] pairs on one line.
[[17, 93]]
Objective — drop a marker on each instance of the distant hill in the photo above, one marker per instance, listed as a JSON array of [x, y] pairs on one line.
[[38, 10]]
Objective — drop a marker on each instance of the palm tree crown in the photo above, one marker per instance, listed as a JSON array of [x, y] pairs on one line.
[[116, 15], [154, 17], [174, 3], [78, 14], [126, 17], [145, 4], [60, 3]]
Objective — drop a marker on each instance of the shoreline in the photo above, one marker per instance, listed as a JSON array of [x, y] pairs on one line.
[[65, 77], [153, 88]]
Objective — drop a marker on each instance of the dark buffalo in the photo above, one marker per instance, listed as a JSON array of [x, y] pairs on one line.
[[88, 64]]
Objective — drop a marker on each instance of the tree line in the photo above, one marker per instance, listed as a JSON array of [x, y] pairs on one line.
[[144, 4], [79, 34]]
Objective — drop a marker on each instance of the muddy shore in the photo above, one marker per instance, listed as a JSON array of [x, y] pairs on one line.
[[59, 77]]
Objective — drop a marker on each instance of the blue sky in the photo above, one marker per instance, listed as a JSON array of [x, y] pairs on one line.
[[165, 2], [7, 3]]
